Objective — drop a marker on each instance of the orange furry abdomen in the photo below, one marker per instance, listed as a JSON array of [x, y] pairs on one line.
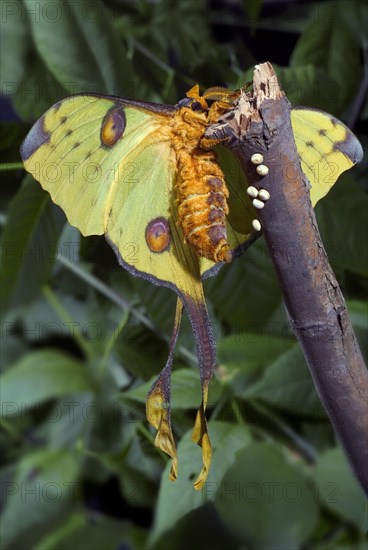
[[201, 188]]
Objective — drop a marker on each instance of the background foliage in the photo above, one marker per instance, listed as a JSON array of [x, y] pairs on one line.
[[82, 340]]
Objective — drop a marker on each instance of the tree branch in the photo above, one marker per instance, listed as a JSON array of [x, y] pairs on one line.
[[316, 307]]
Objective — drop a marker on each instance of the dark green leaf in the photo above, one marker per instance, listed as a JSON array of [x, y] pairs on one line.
[[342, 215], [37, 90], [338, 490], [93, 531], [45, 483], [358, 312], [41, 321], [15, 45], [80, 46], [42, 375], [28, 245], [200, 528], [309, 85], [252, 8], [266, 500], [69, 417], [135, 486], [12, 347], [287, 384], [140, 352], [329, 44], [246, 293], [243, 357], [178, 498]]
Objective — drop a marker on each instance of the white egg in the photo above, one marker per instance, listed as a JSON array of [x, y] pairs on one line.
[[262, 170], [264, 195], [252, 191], [257, 204], [257, 158], [256, 225]]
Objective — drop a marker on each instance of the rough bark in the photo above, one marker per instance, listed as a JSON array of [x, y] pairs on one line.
[[315, 304]]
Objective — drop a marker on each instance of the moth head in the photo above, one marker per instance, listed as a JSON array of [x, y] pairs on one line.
[[198, 103]]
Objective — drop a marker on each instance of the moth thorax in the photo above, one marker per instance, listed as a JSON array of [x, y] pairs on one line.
[[201, 189]]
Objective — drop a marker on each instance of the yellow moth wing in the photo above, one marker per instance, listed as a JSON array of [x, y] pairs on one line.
[[154, 243], [109, 165], [66, 153], [326, 148]]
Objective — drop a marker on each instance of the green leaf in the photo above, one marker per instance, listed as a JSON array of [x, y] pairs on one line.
[[341, 216], [246, 293], [199, 529], [11, 136], [45, 483], [12, 347], [68, 418], [265, 500], [338, 490], [287, 385], [159, 303], [330, 44], [42, 375], [28, 245], [178, 498], [79, 45], [140, 352], [15, 46], [37, 90], [309, 85], [185, 390], [41, 321], [243, 357], [81, 529], [356, 18], [253, 10], [190, 41], [358, 312], [136, 488]]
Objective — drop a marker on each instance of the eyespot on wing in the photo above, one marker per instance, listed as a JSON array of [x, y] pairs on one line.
[[158, 236], [113, 126]]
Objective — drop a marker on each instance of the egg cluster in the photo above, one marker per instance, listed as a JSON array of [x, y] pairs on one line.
[[259, 196]]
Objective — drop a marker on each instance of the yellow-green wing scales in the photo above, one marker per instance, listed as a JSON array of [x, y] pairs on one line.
[[326, 148], [65, 153]]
